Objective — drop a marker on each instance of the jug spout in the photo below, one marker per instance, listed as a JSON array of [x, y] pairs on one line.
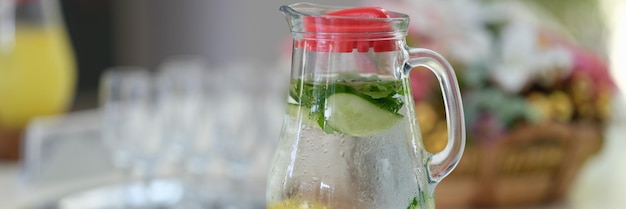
[[295, 13], [297, 10], [308, 9]]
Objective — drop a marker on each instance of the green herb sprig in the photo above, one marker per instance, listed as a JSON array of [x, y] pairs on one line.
[[380, 92]]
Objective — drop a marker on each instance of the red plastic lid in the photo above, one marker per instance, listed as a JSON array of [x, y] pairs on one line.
[[358, 28]]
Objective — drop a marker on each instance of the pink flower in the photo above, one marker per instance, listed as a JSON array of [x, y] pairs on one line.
[[591, 65], [421, 83], [487, 128]]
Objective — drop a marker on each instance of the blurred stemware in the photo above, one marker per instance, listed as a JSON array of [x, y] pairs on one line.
[[247, 112], [189, 124], [133, 127], [180, 80], [119, 86]]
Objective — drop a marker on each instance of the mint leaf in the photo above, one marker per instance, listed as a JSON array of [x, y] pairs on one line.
[[414, 204], [429, 202]]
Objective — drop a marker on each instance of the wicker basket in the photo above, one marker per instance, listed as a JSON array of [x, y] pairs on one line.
[[532, 164]]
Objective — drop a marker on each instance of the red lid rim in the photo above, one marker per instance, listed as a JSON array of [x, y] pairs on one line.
[[332, 29]]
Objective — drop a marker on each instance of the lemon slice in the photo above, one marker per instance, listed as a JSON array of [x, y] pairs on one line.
[[355, 116]]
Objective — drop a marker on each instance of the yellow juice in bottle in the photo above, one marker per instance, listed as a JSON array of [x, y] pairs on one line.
[[36, 76]]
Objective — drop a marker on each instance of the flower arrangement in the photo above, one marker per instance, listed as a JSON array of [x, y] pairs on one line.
[[535, 101]]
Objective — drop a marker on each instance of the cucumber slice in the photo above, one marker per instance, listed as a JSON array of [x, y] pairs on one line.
[[356, 116], [295, 110]]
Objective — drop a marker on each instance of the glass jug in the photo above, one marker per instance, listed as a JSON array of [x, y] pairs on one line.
[[350, 138]]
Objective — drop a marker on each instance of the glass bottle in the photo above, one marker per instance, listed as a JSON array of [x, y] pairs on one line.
[[37, 68]]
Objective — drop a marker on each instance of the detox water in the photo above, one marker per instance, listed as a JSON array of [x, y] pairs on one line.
[[347, 143]]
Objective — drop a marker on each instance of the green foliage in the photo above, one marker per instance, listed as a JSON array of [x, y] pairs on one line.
[[505, 107]]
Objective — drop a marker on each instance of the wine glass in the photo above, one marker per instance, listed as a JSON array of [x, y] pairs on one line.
[[243, 131], [120, 87], [133, 127], [189, 122]]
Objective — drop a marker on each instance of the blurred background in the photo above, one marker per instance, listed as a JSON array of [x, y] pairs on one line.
[[556, 63], [115, 33]]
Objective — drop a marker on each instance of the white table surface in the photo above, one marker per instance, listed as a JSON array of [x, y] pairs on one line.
[[602, 183]]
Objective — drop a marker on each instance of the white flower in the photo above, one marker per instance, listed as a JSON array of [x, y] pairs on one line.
[[524, 56], [458, 29], [451, 27]]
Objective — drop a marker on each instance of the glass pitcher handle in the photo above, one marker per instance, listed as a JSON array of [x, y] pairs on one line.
[[442, 163]]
